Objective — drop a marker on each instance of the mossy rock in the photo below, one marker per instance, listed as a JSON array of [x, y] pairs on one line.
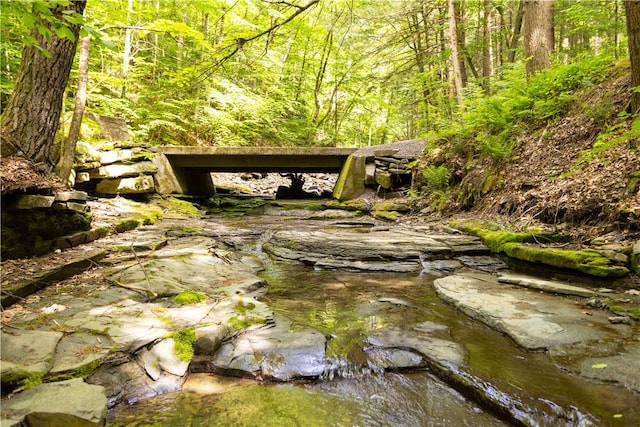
[[347, 205], [175, 205], [514, 244], [586, 261], [307, 205], [392, 206], [387, 215]]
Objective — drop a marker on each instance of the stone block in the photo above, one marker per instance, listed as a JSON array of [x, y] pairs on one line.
[[75, 196], [350, 183], [138, 185], [384, 179], [82, 177], [33, 201], [119, 170]]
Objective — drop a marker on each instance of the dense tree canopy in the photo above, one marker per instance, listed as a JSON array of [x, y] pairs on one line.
[[306, 72]]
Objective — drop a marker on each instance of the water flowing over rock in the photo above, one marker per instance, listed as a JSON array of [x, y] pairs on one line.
[[277, 351]]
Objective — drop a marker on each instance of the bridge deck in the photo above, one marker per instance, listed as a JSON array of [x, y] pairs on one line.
[[258, 159]]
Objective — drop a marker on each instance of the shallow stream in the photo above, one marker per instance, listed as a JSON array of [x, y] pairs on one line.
[[349, 305]]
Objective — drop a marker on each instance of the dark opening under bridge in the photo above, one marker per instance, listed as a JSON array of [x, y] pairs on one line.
[[187, 170]]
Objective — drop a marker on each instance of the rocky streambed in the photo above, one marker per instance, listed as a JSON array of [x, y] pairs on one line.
[[363, 320]]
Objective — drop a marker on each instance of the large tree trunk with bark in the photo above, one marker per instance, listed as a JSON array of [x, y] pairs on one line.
[[538, 34], [32, 116], [632, 10]]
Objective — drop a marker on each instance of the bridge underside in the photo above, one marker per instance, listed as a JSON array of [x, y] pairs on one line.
[[187, 170]]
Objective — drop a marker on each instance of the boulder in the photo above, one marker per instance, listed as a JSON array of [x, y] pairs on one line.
[[278, 351], [61, 404]]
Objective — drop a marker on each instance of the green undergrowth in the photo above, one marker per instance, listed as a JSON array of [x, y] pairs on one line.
[[524, 246], [614, 136]]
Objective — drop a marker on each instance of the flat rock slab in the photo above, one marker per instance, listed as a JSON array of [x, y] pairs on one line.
[[376, 250], [25, 351], [80, 350], [533, 320], [423, 338], [545, 285], [70, 403], [278, 352], [189, 264], [622, 368]]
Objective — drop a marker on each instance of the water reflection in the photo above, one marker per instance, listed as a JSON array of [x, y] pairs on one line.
[[347, 306]]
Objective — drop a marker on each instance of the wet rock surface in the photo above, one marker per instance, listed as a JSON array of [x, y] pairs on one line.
[[123, 328]]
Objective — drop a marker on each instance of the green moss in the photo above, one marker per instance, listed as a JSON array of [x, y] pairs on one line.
[[175, 205], [243, 307], [347, 205], [617, 309], [190, 297], [22, 379], [586, 261], [392, 206], [183, 343], [244, 318], [126, 225], [635, 313], [494, 237], [387, 215], [307, 205], [242, 322], [514, 245]]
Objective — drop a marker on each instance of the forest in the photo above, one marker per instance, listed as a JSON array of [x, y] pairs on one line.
[[465, 74]]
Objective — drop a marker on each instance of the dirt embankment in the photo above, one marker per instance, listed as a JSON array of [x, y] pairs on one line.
[[581, 171]]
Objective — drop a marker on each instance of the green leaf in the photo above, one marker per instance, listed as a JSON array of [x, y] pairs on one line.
[[599, 366], [64, 32], [45, 32]]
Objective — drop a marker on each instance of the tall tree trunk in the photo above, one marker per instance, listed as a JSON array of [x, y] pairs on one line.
[[632, 10], [461, 41], [515, 32], [126, 56], [455, 55], [486, 48], [538, 34], [63, 168], [32, 116]]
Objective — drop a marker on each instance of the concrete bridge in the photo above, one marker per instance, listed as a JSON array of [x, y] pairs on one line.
[[187, 170]]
